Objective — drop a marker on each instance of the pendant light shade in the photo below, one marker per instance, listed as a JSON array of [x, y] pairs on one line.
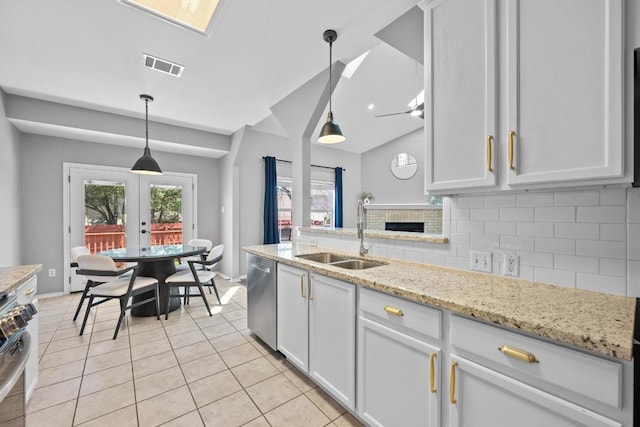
[[146, 165], [330, 132]]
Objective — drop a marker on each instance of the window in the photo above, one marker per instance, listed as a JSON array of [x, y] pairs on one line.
[[322, 206]]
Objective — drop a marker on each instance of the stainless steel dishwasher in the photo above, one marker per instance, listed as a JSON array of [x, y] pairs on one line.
[[261, 298]]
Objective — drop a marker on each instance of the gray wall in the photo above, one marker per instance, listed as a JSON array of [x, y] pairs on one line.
[[376, 171], [10, 194], [41, 167]]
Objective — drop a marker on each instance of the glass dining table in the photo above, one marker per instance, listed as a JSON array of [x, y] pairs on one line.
[[158, 262]]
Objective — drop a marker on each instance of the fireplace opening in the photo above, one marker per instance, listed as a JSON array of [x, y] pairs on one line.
[[411, 227]]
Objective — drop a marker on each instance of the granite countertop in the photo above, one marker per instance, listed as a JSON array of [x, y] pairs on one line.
[[12, 277], [382, 234], [595, 321]]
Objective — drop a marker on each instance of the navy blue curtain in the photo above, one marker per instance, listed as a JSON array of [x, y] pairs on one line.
[[271, 234], [338, 196]]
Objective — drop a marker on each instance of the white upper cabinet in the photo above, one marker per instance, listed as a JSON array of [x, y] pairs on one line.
[[460, 94], [554, 78]]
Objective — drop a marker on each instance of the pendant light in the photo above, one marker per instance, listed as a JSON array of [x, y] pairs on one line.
[[330, 132], [146, 165]]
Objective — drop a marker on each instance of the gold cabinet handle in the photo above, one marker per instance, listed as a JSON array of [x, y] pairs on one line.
[[310, 289], [452, 384], [302, 285], [512, 135], [393, 310], [432, 372], [516, 353], [29, 292], [490, 153]]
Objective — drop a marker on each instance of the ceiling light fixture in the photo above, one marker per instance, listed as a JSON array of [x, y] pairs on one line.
[[330, 132], [146, 165]]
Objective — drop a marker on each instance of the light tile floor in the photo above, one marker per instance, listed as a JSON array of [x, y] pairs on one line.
[[190, 370]]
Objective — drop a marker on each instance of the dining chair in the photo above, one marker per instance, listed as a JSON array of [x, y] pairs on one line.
[[195, 277], [197, 243], [76, 251], [115, 286]]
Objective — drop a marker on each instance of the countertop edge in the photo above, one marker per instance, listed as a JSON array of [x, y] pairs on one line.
[[596, 342], [12, 277]]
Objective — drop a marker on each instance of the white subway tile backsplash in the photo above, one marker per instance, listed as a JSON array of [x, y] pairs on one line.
[[535, 259], [633, 205], [555, 246], [469, 227], [577, 263], [516, 214], [555, 277], [463, 252], [574, 230], [455, 262], [633, 278], [616, 196], [461, 238], [485, 241], [500, 201], [414, 256], [555, 214], [460, 214], [613, 267], [485, 214], [609, 214], [601, 249], [535, 229], [434, 259], [470, 201], [577, 198], [395, 253], [496, 227], [534, 199], [517, 243], [634, 241], [613, 232], [599, 283], [527, 273], [448, 249]]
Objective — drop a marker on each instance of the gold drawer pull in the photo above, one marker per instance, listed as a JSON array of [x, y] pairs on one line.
[[512, 134], [516, 353], [302, 285], [393, 310], [432, 372], [29, 292], [452, 384], [310, 288], [489, 153]]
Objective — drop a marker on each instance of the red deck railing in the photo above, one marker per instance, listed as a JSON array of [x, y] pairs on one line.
[[104, 237]]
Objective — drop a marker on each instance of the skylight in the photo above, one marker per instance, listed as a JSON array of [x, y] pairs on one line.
[[192, 14]]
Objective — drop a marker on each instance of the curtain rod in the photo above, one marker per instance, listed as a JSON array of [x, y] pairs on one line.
[[313, 166]]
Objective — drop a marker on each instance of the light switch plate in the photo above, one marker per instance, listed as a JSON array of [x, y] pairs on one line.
[[480, 261]]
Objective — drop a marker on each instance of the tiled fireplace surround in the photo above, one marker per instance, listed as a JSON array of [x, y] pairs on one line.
[[432, 218], [587, 238]]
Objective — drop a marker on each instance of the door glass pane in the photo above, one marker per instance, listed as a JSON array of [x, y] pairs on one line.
[[104, 215], [322, 198], [166, 214], [284, 210]]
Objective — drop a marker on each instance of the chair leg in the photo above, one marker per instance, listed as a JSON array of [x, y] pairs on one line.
[[166, 313], [213, 284], [86, 315], [157, 293], [82, 298], [204, 298], [123, 304]]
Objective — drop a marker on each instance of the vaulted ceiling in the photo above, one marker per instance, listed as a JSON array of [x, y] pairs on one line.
[[89, 54]]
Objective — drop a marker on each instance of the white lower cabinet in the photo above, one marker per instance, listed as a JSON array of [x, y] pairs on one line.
[[481, 396], [316, 329], [398, 371]]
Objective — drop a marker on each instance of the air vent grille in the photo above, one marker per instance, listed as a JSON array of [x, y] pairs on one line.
[[162, 65]]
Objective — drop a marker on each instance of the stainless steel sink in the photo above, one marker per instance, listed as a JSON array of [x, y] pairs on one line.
[[324, 257], [357, 264]]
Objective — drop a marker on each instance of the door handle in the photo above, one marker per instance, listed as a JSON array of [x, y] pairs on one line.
[[143, 231], [489, 153], [512, 135], [452, 384], [261, 268]]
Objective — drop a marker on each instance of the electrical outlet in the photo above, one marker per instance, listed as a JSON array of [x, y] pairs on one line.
[[510, 265], [52, 272], [480, 261]]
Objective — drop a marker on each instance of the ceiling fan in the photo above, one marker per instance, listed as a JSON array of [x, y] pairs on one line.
[[416, 110]]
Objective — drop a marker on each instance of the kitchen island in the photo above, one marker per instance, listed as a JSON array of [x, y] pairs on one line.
[[552, 353]]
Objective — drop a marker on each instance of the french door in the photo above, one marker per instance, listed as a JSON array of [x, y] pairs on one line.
[[110, 208]]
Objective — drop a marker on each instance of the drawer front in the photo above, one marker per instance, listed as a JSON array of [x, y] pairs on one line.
[[26, 292], [589, 376], [401, 314]]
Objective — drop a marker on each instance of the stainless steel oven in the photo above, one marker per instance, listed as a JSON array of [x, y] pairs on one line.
[[15, 345]]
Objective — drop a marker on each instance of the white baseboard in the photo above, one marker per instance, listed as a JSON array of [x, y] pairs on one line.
[[50, 295]]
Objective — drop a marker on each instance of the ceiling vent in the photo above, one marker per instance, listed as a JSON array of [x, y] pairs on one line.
[[162, 65]]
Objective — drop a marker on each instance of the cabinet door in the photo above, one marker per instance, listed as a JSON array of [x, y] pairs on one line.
[[460, 94], [293, 315], [564, 91], [332, 337], [394, 378], [499, 401]]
